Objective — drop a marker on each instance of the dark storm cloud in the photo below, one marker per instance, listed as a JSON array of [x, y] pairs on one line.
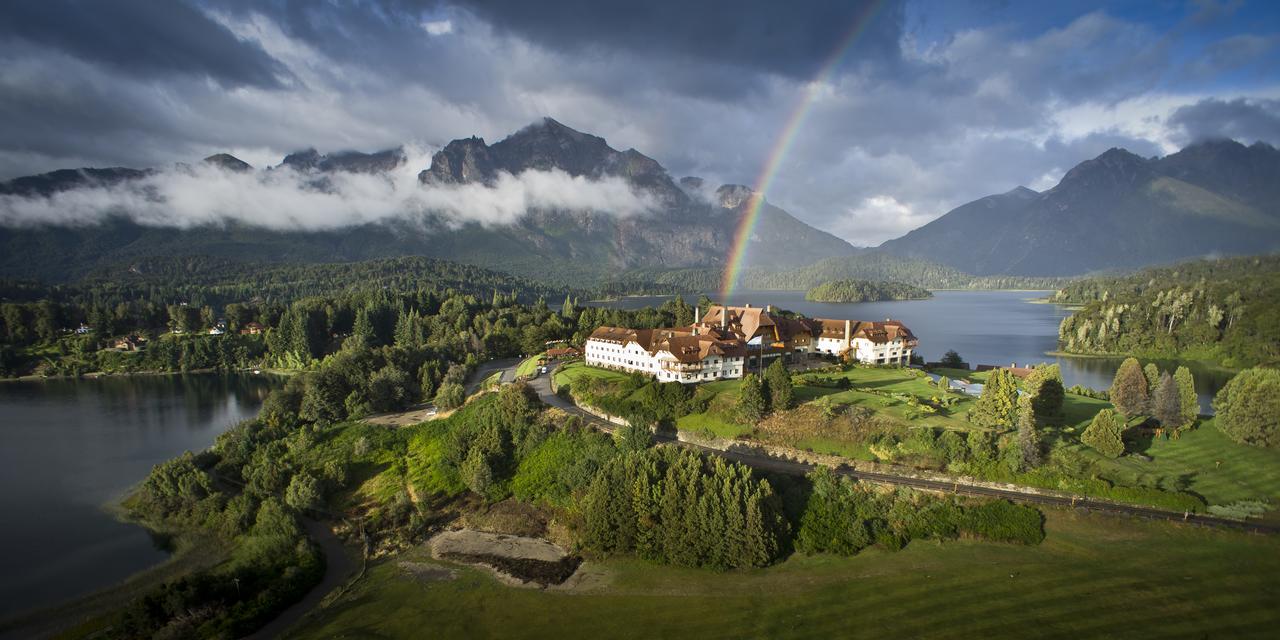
[[139, 37], [777, 37], [1243, 119]]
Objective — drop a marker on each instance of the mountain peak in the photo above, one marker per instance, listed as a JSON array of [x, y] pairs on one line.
[[731, 196], [228, 162]]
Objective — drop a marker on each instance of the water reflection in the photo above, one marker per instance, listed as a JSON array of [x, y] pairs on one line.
[[69, 447]]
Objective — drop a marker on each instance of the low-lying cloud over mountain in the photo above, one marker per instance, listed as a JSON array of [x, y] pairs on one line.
[[284, 198]]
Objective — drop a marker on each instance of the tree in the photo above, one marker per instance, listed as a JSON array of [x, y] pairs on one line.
[[451, 395], [778, 380], [1044, 385], [323, 398], [477, 471], [637, 436], [566, 309], [997, 406], [1188, 400], [303, 493], [389, 389], [1247, 408], [1029, 443], [1166, 406], [1104, 433], [952, 360], [1129, 389], [753, 404], [1152, 373]]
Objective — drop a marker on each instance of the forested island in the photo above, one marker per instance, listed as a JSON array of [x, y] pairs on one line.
[[1225, 311], [864, 291]]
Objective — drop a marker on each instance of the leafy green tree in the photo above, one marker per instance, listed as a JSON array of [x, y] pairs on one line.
[[753, 404], [952, 360], [1166, 406], [1104, 433], [450, 396], [778, 381], [389, 389], [1248, 408], [1129, 389], [477, 471], [1187, 398], [1029, 442], [997, 406], [323, 398], [637, 436], [303, 493]]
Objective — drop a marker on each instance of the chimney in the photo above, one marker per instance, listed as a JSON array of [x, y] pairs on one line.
[[724, 317], [768, 308], [848, 329], [747, 305], [697, 311]]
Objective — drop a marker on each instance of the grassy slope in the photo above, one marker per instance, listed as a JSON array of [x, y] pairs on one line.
[[1186, 464], [1093, 576], [529, 365]]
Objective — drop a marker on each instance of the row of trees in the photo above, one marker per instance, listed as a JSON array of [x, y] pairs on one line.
[[1170, 399]]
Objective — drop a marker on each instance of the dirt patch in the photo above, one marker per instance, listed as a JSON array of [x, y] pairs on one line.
[[525, 569], [411, 417], [426, 572], [515, 560]]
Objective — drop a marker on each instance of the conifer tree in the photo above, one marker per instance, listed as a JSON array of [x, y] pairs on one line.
[[778, 381], [1104, 433], [753, 405], [1188, 400], [1028, 436], [997, 406], [1044, 385], [1129, 389], [1152, 373], [1166, 405], [566, 309]]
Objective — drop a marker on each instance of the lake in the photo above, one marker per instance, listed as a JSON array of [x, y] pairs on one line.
[[984, 327], [69, 449]]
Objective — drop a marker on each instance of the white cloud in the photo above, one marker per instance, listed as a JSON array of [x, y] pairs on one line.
[[285, 199], [438, 27]]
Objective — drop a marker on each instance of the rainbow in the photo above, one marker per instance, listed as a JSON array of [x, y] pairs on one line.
[[782, 146]]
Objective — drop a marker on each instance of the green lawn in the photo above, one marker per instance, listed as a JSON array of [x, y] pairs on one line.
[[1092, 577], [572, 371], [1191, 463], [530, 365]]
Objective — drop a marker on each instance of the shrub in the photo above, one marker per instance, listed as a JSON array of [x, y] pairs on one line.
[[1104, 433], [1248, 408], [1004, 521]]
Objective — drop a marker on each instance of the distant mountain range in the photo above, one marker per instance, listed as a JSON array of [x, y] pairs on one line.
[[1116, 211], [688, 228]]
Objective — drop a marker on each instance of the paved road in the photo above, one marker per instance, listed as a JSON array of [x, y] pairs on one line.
[[760, 460], [339, 566], [486, 369]]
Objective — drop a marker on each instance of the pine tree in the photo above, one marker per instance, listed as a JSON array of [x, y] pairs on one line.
[[997, 406], [1166, 405], [753, 405], [1152, 373], [778, 381], [1104, 433], [566, 309], [1188, 400], [1129, 389], [1028, 436]]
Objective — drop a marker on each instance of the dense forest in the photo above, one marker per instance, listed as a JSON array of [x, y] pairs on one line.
[[869, 265], [864, 291], [1225, 310]]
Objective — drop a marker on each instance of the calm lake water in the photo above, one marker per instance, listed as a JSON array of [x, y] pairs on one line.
[[984, 327], [69, 449]]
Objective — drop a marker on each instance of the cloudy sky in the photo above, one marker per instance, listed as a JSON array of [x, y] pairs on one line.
[[935, 103]]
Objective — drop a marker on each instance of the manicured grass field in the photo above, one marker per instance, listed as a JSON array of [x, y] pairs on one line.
[[570, 372], [1191, 463], [1093, 576], [529, 366]]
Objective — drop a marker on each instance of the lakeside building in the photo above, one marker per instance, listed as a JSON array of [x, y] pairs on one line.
[[731, 340]]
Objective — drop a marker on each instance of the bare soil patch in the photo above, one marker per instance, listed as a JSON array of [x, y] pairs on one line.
[[515, 560], [428, 572], [414, 415]]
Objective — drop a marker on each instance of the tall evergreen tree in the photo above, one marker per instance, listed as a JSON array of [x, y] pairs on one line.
[[1152, 374], [566, 309], [1044, 385], [1166, 405], [1029, 442], [997, 406], [753, 404], [1188, 400], [778, 381], [1104, 433], [1129, 389]]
